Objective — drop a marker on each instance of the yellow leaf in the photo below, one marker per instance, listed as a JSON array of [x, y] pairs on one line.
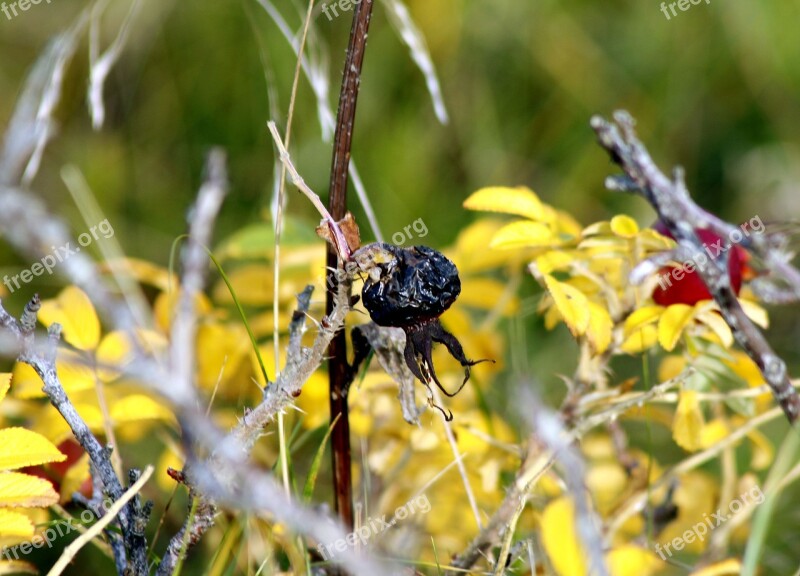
[[142, 271], [73, 372], [603, 245], [470, 253], [763, 451], [263, 325], [554, 260], [641, 317], [164, 307], [115, 350], [630, 560], [471, 433], [552, 316], [490, 475], [251, 283], [713, 432], [755, 312], [566, 224], [15, 525], [313, 400], [599, 329], [624, 226], [606, 480], [671, 324], [18, 489], [745, 368], [521, 201], [523, 234], [559, 538], [74, 478], [74, 311], [718, 325], [423, 440], [5, 384], [27, 383], [50, 425], [152, 342], [652, 241], [20, 448], [571, 303], [670, 367], [361, 423], [487, 294], [602, 228], [221, 350], [688, 424], [729, 566], [640, 340], [137, 408], [17, 567]]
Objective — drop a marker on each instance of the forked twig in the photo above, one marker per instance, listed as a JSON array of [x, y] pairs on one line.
[[675, 208]]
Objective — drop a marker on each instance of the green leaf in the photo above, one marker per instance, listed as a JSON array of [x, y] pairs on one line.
[[311, 481]]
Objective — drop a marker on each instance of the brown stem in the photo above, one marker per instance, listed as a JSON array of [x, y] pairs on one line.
[[338, 368]]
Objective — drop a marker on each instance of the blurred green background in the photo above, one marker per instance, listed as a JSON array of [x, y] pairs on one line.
[[715, 89]]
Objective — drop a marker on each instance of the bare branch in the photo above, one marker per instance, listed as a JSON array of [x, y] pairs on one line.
[[70, 551], [44, 363], [683, 217], [184, 327]]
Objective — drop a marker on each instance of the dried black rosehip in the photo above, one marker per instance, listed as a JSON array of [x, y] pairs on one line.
[[417, 286], [410, 288]]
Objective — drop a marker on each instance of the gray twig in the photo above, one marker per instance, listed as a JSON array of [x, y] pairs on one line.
[[195, 262], [675, 208], [44, 363]]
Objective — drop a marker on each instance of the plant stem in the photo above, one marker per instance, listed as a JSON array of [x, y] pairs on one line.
[[338, 368]]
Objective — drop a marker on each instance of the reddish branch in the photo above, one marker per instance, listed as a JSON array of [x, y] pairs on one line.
[[338, 368]]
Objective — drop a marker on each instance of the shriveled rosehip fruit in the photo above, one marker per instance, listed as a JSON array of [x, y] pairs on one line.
[[418, 286], [410, 288], [689, 288]]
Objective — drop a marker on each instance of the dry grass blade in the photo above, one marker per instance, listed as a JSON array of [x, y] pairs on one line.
[[411, 36], [71, 550]]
